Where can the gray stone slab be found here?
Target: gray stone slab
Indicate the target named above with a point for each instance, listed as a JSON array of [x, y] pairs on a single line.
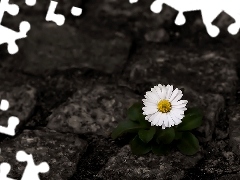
[[22, 101], [150, 166], [219, 160], [60, 151], [96, 108], [201, 70], [50, 47], [211, 106], [234, 128], [136, 18], [230, 176]]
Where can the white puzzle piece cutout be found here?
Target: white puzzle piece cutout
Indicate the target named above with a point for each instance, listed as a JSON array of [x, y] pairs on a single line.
[[4, 105], [133, 1], [30, 2], [31, 171], [210, 9], [7, 35], [4, 170], [76, 11], [12, 121], [51, 16]]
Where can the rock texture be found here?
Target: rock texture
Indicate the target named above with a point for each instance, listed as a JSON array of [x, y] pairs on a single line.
[[128, 166], [60, 151], [96, 108], [71, 85], [234, 125], [203, 71], [22, 101], [87, 47]]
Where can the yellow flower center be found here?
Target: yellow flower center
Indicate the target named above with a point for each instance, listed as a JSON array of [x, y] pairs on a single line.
[[164, 106]]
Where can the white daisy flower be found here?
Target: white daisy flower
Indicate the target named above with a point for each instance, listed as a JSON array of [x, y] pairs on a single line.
[[163, 106]]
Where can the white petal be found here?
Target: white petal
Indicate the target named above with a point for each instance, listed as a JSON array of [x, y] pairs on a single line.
[[179, 115], [175, 119], [163, 94], [153, 117], [148, 100], [148, 111], [174, 94], [160, 120], [169, 92], [160, 86], [155, 120], [158, 90], [170, 120], [155, 92], [154, 123], [152, 96], [147, 117], [179, 111], [149, 103], [163, 126], [181, 106], [149, 107], [180, 102], [178, 96], [165, 120]]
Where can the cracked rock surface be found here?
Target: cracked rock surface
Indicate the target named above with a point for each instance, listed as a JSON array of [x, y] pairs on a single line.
[[61, 153], [128, 166], [71, 85], [97, 109]]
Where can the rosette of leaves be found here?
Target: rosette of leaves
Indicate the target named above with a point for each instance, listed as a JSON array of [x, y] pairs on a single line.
[[160, 141]]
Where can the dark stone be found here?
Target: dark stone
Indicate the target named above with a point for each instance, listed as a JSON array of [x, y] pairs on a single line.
[[234, 128], [150, 166], [219, 160], [22, 101], [160, 35], [136, 18], [230, 176], [211, 106], [60, 151], [202, 71], [98, 152], [95, 108], [220, 134], [50, 47]]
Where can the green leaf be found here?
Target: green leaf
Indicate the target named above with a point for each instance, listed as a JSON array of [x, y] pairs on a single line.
[[124, 127], [166, 136], [147, 135], [178, 135], [144, 122], [193, 119], [134, 113], [161, 149], [138, 147], [188, 144]]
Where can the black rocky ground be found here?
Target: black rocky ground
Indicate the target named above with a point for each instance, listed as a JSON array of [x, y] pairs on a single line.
[[71, 85]]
